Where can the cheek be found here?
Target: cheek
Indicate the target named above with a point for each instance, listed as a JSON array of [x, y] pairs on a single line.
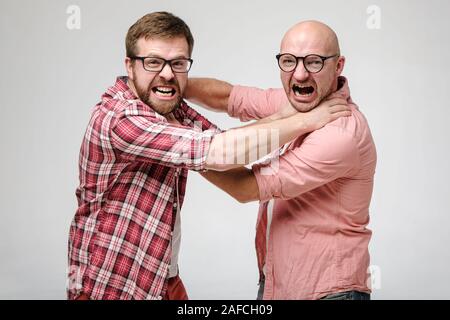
[[143, 79], [285, 80], [323, 83], [182, 82]]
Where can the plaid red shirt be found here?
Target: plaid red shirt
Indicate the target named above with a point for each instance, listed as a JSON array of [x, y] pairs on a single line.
[[130, 161]]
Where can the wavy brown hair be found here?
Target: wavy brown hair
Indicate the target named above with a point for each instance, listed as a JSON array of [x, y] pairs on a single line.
[[157, 25]]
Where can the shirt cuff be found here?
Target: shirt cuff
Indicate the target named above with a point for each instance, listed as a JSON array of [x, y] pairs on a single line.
[[232, 103], [200, 162], [267, 180]]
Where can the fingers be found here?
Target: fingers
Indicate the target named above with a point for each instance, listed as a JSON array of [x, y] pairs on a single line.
[[336, 101], [339, 114], [330, 98], [339, 108], [330, 104]]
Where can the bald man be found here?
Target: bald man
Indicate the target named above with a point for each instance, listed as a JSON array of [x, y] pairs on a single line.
[[314, 192]]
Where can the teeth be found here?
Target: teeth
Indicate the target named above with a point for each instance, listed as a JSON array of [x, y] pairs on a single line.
[[298, 94], [164, 91], [302, 91]]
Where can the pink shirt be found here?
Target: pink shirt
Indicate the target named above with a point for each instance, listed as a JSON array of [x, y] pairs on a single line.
[[321, 186]]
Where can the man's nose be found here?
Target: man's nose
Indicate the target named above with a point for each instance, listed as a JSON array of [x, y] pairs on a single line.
[[300, 73], [167, 72]]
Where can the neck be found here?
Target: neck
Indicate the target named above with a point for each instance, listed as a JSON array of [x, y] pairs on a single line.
[[171, 118], [130, 84]]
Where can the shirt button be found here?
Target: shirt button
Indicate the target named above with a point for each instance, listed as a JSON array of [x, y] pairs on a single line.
[[175, 205], [159, 298]]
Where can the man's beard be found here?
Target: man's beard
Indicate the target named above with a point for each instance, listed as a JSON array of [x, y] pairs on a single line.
[[162, 107]]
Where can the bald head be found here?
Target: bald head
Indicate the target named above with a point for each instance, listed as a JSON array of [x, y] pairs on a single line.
[[311, 37], [306, 85]]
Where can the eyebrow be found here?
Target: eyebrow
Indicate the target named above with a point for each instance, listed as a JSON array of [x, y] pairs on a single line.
[[157, 56]]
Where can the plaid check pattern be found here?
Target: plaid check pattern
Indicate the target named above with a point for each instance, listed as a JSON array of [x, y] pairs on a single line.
[[130, 161]]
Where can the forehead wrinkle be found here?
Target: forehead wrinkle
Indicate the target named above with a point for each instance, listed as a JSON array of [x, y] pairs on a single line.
[[177, 50]]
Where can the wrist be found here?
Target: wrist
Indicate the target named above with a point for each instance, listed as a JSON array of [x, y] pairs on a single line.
[[302, 122]]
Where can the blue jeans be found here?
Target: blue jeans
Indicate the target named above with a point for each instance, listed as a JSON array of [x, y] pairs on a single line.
[[260, 294], [348, 295]]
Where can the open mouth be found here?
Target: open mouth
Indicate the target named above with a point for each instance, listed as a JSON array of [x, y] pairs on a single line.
[[164, 91], [301, 91]]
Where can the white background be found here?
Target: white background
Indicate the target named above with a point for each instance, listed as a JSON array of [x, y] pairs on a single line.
[[52, 77]]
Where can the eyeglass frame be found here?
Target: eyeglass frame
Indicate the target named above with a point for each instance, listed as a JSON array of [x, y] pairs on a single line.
[[164, 64], [278, 56]]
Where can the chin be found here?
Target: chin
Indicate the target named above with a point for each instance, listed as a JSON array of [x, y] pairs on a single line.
[[304, 107], [164, 108]]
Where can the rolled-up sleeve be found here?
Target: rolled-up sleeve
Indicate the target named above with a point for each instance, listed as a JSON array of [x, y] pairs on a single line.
[[136, 137], [248, 103], [325, 155]]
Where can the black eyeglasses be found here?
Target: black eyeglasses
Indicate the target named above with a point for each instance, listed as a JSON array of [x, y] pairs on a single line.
[[155, 64], [313, 63]]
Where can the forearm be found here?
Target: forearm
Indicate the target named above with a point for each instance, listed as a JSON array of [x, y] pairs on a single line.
[[209, 93], [240, 183], [286, 111], [240, 146]]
